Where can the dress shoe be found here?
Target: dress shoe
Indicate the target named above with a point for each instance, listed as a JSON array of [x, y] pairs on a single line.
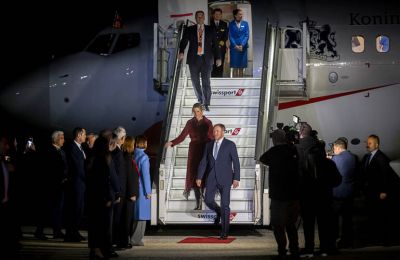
[[217, 219], [186, 194], [40, 236], [58, 235], [112, 254], [96, 254], [138, 244], [76, 238], [207, 108], [198, 204], [223, 237]]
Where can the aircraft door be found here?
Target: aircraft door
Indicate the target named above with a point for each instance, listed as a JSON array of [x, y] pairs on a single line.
[[227, 16], [292, 70]]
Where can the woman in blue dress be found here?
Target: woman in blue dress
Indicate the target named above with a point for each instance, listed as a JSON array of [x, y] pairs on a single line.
[[238, 38], [142, 211]]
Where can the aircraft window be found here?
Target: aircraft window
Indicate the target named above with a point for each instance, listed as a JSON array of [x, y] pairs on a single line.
[[357, 44], [382, 43], [102, 44], [127, 41]]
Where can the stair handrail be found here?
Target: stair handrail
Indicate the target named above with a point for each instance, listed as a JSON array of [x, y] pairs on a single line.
[[267, 104]]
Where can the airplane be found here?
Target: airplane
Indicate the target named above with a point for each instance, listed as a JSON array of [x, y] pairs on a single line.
[[105, 85], [350, 81]]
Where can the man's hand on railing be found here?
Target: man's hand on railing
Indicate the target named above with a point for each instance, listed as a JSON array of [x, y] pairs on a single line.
[[180, 57], [218, 62]]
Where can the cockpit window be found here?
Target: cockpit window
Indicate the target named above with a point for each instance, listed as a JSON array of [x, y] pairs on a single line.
[[127, 41], [357, 44], [102, 44], [382, 43]]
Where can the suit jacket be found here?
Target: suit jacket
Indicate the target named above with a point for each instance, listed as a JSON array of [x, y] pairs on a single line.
[[57, 168], [380, 177], [120, 167], [211, 49], [221, 33], [220, 169], [238, 36], [76, 164]]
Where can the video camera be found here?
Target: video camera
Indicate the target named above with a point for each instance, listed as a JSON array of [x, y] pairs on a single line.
[[292, 131]]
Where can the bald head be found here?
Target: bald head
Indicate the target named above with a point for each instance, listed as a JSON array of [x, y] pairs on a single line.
[[372, 143]]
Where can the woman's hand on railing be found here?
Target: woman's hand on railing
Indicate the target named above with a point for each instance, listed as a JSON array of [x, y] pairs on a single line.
[[181, 56], [168, 144]]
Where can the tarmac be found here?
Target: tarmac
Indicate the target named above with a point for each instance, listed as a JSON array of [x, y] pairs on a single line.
[[163, 243]]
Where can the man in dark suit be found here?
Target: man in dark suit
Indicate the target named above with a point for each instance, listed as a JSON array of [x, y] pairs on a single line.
[[202, 50], [382, 191], [221, 31], [218, 158], [8, 226], [76, 185]]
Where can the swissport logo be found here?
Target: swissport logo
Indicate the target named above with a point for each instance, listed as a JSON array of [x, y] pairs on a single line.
[[210, 216], [207, 216], [232, 131], [228, 92]]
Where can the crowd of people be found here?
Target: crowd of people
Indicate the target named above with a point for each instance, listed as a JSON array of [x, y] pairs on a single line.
[[305, 183], [105, 175]]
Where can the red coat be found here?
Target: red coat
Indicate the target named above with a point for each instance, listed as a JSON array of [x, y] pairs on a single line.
[[200, 132]]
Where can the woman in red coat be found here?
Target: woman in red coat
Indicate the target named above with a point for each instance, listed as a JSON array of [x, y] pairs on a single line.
[[200, 130]]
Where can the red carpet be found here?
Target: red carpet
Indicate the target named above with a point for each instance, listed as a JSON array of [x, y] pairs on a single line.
[[206, 240]]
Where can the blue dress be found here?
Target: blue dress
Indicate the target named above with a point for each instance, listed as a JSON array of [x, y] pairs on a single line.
[[238, 36], [142, 210]]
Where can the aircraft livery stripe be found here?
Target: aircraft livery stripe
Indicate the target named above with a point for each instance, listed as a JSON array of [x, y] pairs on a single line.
[[180, 15], [297, 103]]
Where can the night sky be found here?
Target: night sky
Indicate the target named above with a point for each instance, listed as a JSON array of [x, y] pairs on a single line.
[[33, 33]]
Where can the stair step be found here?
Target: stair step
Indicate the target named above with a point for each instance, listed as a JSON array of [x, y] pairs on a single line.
[[184, 205], [233, 82], [180, 172], [221, 111], [226, 101], [238, 120], [238, 193], [244, 182], [227, 91], [195, 216], [244, 161], [242, 151]]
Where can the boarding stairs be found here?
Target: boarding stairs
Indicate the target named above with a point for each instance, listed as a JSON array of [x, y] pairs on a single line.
[[247, 107], [234, 103]]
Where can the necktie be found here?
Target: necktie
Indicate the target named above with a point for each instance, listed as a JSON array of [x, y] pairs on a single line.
[[216, 148], [6, 180], [216, 23], [368, 159], [200, 41], [83, 152]]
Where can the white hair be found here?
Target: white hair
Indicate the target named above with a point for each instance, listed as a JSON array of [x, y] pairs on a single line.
[[120, 132], [55, 135]]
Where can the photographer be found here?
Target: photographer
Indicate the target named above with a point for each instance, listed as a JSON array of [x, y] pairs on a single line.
[[318, 175]]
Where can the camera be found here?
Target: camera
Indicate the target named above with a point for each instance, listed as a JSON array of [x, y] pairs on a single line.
[[30, 142]]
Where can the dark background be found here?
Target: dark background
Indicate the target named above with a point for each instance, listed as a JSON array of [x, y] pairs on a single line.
[[33, 34]]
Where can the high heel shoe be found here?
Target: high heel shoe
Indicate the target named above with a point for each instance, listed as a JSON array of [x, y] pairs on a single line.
[[186, 194], [96, 254], [199, 204]]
